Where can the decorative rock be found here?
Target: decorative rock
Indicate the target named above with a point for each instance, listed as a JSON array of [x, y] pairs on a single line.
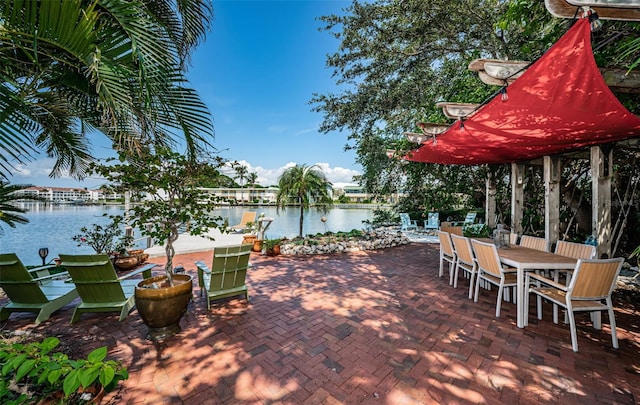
[[370, 241]]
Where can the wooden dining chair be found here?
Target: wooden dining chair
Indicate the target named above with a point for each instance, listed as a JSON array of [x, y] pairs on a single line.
[[464, 260], [456, 230], [447, 253], [573, 250], [589, 290], [534, 242], [490, 270]]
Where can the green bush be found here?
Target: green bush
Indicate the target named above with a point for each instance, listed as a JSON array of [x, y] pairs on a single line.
[[42, 372]]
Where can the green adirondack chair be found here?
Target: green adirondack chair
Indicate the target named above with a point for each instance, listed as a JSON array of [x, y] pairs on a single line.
[[227, 278], [27, 294], [100, 288]]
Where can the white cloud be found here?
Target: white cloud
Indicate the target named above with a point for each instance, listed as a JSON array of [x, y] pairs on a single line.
[[339, 176], [37, 172]]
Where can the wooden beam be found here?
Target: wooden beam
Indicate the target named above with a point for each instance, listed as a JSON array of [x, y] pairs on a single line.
[[506, 69], [495, 72], [605, 3], [517, 196], [601, 173], [551, 172], [432, 129], [457, 110], [490, 205], [564, 9]]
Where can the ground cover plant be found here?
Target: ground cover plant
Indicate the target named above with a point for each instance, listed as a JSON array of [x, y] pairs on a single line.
[[32, 370]]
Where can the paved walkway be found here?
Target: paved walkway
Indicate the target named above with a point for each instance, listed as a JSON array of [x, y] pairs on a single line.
[[361, 328]]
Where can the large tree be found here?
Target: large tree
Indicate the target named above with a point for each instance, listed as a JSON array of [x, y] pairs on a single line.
[[73, 68], [304, 186], [396, 60]]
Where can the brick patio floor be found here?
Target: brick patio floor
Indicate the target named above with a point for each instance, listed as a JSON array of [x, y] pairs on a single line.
[[361, 328]]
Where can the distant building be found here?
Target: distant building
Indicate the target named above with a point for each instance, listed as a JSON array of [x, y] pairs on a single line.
[[261, 195], [357, 194], [67, 195]]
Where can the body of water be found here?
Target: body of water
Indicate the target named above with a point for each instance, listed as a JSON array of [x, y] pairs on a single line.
[[53, 226]]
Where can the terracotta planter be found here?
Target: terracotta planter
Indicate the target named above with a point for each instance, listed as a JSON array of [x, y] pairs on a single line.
[[162, 308], [126, 262], [274, 251], [257, 245], [248, 239]]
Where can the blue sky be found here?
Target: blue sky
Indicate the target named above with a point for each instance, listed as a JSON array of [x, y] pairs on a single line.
[[257, 70]]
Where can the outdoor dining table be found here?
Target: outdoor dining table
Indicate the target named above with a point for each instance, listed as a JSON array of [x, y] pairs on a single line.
[[526, 259]]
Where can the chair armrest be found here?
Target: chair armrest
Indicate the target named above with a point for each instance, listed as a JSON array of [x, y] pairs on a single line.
[[145, 270], [62, 274], [40, 268], [202, 268], [546, 281]]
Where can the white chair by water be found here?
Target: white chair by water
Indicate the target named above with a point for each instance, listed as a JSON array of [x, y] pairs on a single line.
[[406, 223]]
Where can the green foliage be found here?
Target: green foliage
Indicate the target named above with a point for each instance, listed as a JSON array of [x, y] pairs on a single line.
[[49, 372], [635, 253], [382, 217], [9, 211], [476, 231], [166, 182], [76, 68], [271, 243], [104, 239]]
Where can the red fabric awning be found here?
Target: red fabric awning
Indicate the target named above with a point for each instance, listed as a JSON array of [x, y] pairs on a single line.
[[560, 104]]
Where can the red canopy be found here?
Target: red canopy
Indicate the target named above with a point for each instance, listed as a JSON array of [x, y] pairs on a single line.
[[560, 104]]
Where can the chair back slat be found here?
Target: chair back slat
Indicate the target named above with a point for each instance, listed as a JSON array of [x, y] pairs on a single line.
[[533, 242], [95, 278], [445, 243], [455, 230], [463, 248], [594, 279], [229, 267], [575, 250], [487, 257], [17, 283]]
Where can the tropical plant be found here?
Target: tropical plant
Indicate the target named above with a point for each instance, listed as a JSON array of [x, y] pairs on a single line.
[[48, 372], [304, 186], [271, 243], [241, 175], [170, 199], [71, 67], [9, 211], [103, 238]]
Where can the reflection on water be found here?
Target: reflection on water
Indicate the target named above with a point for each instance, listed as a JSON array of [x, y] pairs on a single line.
[[53, 226]]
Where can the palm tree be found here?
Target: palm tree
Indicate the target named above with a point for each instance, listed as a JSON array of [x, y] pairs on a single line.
[[73, 68], [252, 178], [241, 176], [306, 186], [9, 211]]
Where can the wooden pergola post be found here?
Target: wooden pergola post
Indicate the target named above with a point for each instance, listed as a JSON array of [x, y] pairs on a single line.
[[601, 171], [552, 171], [490, 205], [517, 197]]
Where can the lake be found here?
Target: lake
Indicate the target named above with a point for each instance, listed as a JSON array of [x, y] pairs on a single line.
[[53, 226]]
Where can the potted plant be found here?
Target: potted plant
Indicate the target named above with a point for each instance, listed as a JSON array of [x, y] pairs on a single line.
[[33, 373], [110, 239], [166, 185], [103, 239], [272, 246]]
